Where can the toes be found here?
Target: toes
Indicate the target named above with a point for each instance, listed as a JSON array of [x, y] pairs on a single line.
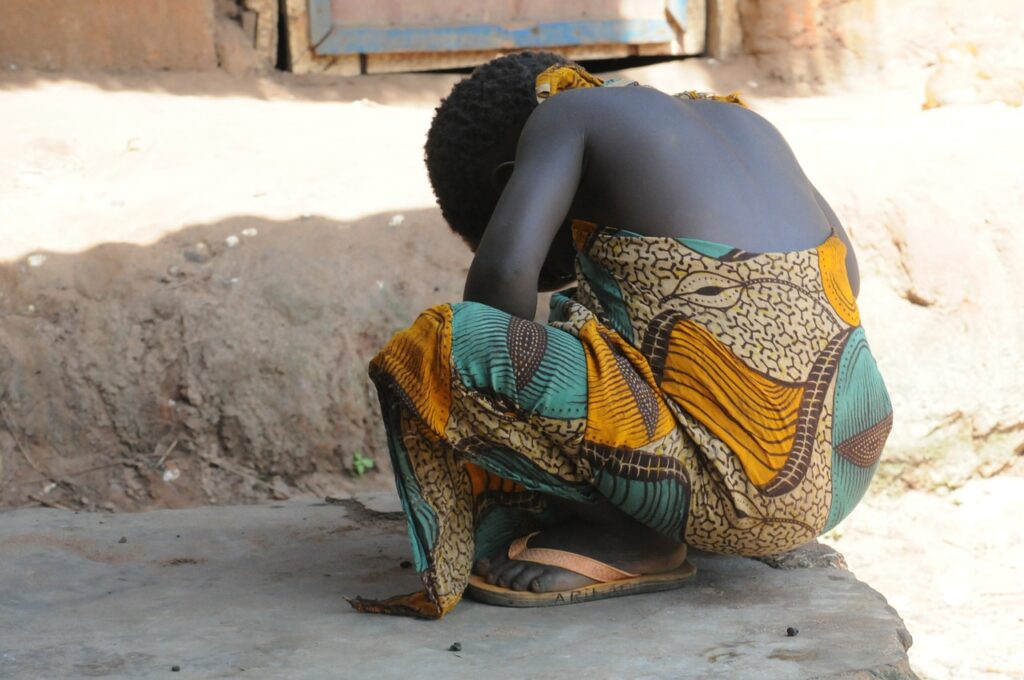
[[509, 573], [526, 577], [497, 569], [486, 565], [541, 583], [552, 580]]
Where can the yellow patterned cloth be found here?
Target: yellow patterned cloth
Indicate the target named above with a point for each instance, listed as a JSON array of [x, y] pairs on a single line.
[[726, 399], [562, 77], [731, 98]]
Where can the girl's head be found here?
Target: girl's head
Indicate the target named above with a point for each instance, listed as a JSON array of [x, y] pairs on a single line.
[[476, 129]]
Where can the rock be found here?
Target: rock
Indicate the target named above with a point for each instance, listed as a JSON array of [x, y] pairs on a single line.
[[199, 253], [963, 77], [215, 586]]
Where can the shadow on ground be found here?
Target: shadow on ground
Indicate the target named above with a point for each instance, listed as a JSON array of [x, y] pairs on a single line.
[[393, 89], [427, 89]]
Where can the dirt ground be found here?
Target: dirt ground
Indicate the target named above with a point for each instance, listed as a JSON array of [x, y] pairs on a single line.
[[263, 212], [952, 564]]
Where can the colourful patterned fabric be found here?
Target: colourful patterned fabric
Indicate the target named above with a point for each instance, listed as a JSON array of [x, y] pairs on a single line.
[[731, 98], [726, 399], [562, 77]]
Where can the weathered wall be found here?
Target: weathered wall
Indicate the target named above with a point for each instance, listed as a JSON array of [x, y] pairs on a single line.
[[135, 35], [820, 42], [795, 40], [809, 40], [247, 35], [108, 35]]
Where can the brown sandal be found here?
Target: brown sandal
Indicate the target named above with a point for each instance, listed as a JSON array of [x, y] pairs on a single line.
[[611, 581]]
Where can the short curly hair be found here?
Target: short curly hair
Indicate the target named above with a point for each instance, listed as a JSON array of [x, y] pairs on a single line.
[[476, 127]]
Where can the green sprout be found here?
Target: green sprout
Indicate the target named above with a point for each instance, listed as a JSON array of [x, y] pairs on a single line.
[[360, 464]]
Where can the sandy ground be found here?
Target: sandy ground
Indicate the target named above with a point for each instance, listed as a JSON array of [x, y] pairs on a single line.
[[953, 566], [132, 160], [81, 164]]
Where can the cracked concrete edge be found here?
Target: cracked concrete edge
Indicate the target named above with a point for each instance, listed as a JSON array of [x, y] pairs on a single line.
[[893, 671], [813, 555]]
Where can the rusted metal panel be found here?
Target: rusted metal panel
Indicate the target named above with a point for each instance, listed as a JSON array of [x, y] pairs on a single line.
[[344, 27], [404, 62], [469, 12]]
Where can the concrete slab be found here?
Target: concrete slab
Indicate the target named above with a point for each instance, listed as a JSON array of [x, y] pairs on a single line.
[[257, 592]]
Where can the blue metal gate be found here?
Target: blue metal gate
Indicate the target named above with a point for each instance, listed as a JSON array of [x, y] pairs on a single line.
[[350, 27]]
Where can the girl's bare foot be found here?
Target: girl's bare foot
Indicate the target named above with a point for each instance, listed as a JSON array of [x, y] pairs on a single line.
[[641, 552]]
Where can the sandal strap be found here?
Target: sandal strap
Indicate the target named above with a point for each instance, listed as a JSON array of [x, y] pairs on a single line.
[[579, 564]]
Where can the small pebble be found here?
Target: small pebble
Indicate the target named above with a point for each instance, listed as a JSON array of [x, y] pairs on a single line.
[[36, 260], [396, 220], [175, 669], [792, 632], [250, 231], [198, 254], [405, 564], [123, 539], [231, 241], [456, 647]]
